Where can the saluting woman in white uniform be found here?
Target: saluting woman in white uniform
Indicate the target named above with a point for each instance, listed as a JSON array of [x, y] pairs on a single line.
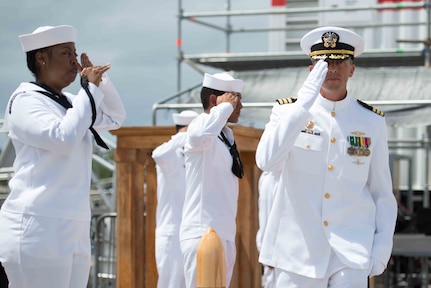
[[45, 221]]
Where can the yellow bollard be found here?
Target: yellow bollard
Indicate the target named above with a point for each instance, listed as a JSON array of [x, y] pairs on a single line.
[[210, 261]]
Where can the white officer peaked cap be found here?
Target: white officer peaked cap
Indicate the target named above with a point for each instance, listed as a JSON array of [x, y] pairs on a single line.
[[332, 42], [222, 82], [185, 117], [46, 36]]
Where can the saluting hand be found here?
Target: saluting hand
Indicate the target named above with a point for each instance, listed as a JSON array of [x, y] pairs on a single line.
[[231, 97], [311, 87], [93, 73]]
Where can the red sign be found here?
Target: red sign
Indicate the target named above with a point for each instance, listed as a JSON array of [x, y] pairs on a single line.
[[398, 1], [278, 2]]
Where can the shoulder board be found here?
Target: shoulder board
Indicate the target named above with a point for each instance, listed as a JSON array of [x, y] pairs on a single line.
[[282, 101], [371, 108]]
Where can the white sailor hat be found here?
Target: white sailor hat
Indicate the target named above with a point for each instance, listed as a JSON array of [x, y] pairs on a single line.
[[46, 36], [332, 42], [222, 82], [184, 118]]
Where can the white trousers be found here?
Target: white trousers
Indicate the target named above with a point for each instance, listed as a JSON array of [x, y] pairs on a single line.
[[43, 252], [189, 249], [169, 261], [268, 277], [337, 276]]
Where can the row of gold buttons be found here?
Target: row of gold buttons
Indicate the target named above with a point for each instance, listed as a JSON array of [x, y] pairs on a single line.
[[330, 168]]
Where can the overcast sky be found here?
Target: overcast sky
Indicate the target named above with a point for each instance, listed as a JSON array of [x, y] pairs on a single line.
[[138, 38]]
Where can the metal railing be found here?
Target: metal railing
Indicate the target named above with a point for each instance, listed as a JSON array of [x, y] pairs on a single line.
[[103, 228], [163, 105]]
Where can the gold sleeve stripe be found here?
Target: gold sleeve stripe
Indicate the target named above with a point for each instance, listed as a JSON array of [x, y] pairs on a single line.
[[282, 101]]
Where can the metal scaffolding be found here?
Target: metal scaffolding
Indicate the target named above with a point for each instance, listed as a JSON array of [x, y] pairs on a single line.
[[229, 30], [242, 61]]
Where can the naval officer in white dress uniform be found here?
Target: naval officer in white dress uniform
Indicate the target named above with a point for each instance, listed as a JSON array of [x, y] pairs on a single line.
[[334, 212]]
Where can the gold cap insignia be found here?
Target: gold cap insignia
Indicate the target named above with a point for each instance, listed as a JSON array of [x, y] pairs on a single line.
[[330, 39]]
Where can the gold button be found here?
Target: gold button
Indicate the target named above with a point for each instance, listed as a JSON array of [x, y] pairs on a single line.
[[333, 114], [333, 140], [308, 146], [327, 195], [325, 223], [330, 167]]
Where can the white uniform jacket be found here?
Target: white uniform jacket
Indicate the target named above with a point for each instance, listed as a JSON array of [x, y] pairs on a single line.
[[53, 148], [326, 198], [211, 187], [171, 184]]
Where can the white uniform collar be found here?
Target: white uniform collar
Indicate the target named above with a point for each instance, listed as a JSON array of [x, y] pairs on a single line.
[[333, 105]]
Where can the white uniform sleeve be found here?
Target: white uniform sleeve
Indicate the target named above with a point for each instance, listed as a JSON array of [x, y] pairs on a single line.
[[207, 127], [110, 112], [380, 185], [165, 155], [267, 186], [286, 122], [36, 121]]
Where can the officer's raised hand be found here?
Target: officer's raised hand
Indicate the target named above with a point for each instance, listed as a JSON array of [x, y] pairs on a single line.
[[311, 87]]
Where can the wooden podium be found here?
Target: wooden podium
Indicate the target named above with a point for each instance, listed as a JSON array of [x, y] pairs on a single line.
[[136, 200]]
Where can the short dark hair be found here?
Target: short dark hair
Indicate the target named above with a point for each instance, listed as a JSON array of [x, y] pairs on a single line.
[[31, 59], [178, 127], [206, 93]]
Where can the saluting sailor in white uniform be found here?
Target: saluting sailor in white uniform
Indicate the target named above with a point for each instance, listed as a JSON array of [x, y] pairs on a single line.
[[45, 220], [211, 185], [171, 186], [334, 214]]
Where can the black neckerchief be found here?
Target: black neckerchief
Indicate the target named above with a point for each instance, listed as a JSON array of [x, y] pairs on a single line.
[[237, 167], [62, 100]]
